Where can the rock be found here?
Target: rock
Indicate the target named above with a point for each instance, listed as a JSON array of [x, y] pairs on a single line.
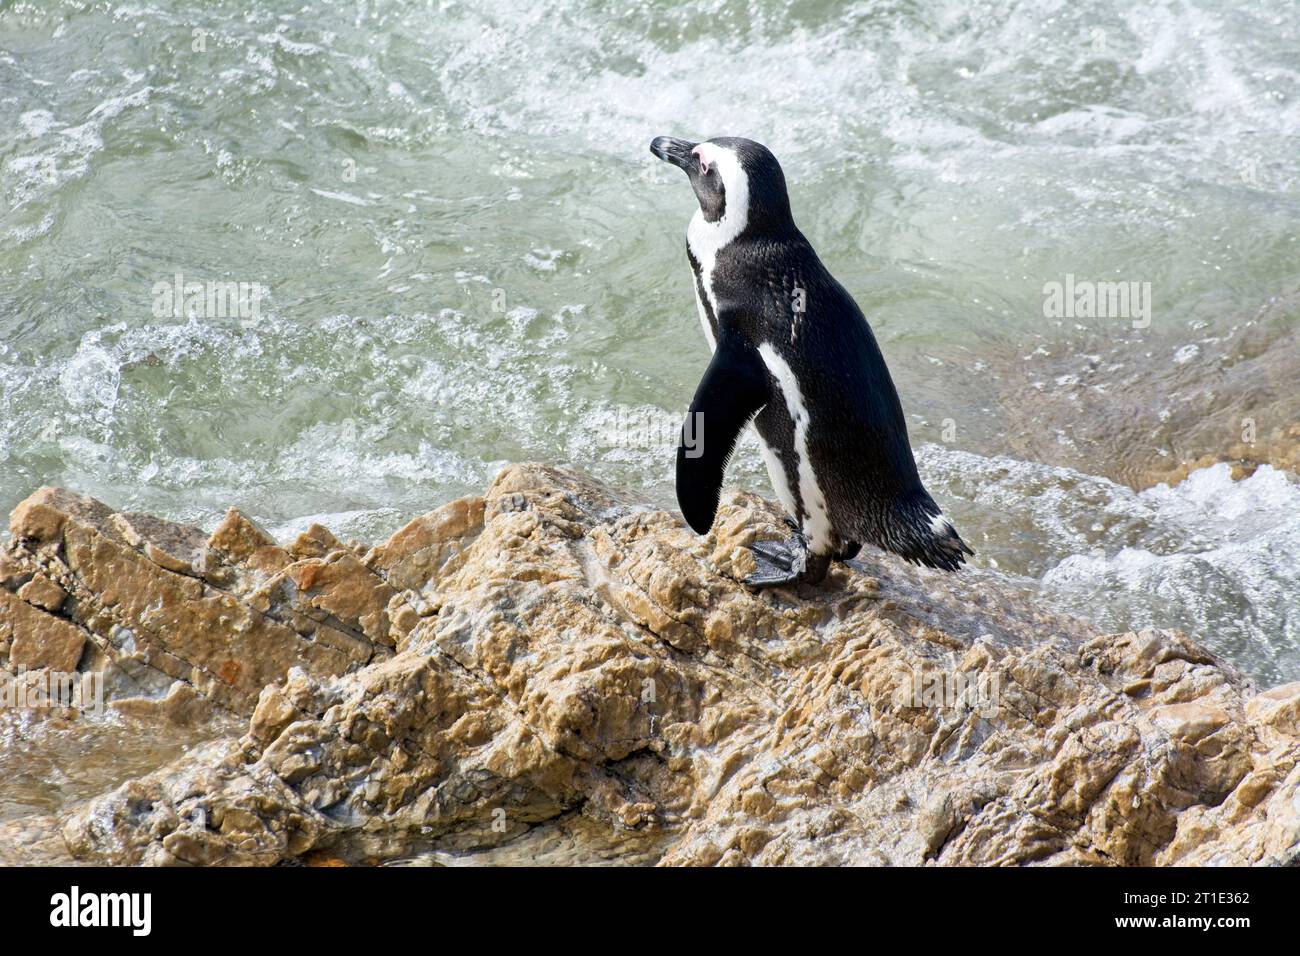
[[37, 638], [240, 544], [316, 542], [182, 705], [1277, 712], [1141, 424], [43, 593], [419, 552], [206, 610], [169, 545], [552, 669]]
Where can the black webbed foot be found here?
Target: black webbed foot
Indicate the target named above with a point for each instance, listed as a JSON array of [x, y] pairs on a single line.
[[777, 563], [785, 563]]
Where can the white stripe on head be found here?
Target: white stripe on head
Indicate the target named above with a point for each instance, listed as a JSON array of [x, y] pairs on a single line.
[[735, 187], [706, 239]]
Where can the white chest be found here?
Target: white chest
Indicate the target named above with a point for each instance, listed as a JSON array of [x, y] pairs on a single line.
[[702, 239], [705, 240]]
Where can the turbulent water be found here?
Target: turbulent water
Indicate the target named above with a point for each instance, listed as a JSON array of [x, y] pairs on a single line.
[[463, 254]]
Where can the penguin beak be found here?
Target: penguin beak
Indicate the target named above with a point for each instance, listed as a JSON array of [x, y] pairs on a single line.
[[675, 151]]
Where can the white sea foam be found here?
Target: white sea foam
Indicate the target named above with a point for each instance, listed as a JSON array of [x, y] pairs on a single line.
[[1213, 556]]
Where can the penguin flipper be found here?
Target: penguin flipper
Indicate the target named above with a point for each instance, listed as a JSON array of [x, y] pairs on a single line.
[[732, 392]]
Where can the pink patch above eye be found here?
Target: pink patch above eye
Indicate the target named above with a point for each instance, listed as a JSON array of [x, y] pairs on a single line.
[[704, 163]]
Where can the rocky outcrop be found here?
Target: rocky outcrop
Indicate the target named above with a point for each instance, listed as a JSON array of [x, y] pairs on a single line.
[[553, 665], [148, 601]]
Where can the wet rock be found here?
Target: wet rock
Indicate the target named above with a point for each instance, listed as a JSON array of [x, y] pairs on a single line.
[[1226, 399], [181, 705], [549, 666]]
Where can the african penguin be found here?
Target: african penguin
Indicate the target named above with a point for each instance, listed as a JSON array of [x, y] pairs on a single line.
[[792, 353]]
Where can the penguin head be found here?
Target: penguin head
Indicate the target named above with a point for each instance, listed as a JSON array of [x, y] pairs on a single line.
[[737, 181]]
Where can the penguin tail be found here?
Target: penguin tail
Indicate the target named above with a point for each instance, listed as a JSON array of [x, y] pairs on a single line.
[[922, 534]]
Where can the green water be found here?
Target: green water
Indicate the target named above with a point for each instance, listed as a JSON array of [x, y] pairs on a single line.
[[469, 257]]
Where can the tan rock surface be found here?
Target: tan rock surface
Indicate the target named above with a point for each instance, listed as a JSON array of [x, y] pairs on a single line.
[[35, 638], [154, 596], [549, 669]]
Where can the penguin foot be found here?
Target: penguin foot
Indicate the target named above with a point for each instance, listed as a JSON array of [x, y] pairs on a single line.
[[785, 563], [777, 563]]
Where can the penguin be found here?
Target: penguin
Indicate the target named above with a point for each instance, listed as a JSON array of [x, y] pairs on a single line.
[[794, 355]]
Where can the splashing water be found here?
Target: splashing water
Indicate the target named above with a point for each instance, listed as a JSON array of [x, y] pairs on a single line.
[[1213, 556]]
